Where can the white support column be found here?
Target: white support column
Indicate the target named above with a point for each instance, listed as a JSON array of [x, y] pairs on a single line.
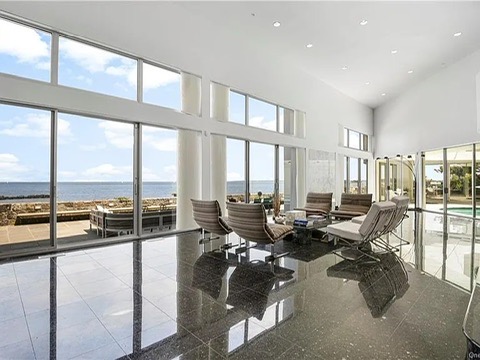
[[189, 155], [301, 158], [218, 149]]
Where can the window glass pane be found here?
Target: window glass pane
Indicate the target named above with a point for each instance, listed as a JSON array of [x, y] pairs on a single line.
[[262, 162], [235, 170], [95, 172], [381, 179], [86, 67], [237, 108], [24, 51], [159, 171], [363, 176], [353, 172], [408, 179], [354, 140], [281, 120], [24, 177], [459, 173], [345, 175], [262, 114], [287, 119], [345, 137], [161, 87], [434, 180]]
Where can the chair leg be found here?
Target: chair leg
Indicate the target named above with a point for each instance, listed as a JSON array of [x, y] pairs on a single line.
[[205, 240], [273, 255], [243, 247]]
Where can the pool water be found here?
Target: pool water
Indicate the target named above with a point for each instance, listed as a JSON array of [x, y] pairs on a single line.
[[467, 211]]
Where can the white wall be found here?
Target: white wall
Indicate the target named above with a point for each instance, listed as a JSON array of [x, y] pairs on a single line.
[[187, 42], [439, 112]]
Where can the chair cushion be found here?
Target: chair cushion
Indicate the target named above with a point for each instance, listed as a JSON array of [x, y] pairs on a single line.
[[359, 219], [278, 231], [346, 230], [346, 214], [309, 209]]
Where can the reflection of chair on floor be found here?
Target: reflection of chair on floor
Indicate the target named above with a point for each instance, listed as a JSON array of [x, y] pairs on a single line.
[[249, 286], [208, 215], [317, 203], [358, 236], [208, 272], [249, 222], [381, 283], [352, 205]]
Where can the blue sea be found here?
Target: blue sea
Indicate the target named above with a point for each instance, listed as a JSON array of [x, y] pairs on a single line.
[[77, 191]]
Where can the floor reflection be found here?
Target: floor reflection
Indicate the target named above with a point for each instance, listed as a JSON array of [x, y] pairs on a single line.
[[175, 299]]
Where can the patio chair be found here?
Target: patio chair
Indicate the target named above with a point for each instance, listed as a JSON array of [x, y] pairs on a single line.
[[208, 215], [352, 205], [317, 204], [249, 222], [358, 236]]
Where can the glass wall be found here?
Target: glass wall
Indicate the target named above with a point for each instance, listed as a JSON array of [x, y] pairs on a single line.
[[381, 172], [395, 177], [94, 178], [24, 51], [262, 114], [159, 174], [262, 172], [355, 175], [459, 175], [237, 107], [161, 87], [434, 180], [236, 185], [25, 141]]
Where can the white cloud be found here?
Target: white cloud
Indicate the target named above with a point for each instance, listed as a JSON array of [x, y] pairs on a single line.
[[234, 176], [22, 42], [43, 65], [36, 126], [259, 121], [169, 144], [106, 171], [85, 79], [155, 77], [10, 167], [118, 134], [91, 58]]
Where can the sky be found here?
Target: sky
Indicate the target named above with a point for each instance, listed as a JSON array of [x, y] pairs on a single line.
[[98, 150]]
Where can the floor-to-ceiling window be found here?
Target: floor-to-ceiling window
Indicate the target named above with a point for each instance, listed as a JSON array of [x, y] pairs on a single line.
[[433, 185], [459, 176], [94, 178], [355, 176], [25, 149], [236, 180], [262, 171], [159, 179]]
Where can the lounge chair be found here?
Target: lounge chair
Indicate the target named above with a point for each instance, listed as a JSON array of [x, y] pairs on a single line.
[[358, 236], [249, 222], [352, 205], [317, 204], [208, 215]]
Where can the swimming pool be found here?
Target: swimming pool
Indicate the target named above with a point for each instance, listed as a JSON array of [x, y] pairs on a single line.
[[467, 211]]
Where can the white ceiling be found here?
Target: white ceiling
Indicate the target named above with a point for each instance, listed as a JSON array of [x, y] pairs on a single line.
[[422, 32]]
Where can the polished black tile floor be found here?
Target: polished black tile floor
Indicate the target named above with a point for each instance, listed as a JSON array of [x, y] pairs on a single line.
[[175, 299]]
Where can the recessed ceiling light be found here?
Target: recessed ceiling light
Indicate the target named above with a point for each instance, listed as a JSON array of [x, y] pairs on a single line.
[[383, 94], [457, 34], [367, 83], [309, 45], [410, 71], [394, 51], [344, 68], [364, 22], [276, 24]]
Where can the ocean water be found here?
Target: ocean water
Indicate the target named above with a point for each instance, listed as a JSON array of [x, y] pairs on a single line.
[[76, 191]]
